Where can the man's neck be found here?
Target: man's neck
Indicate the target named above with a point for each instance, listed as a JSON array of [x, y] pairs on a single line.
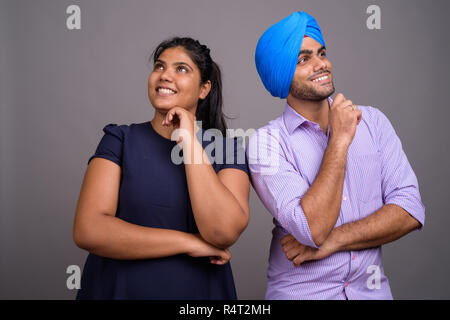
[[314, 111]]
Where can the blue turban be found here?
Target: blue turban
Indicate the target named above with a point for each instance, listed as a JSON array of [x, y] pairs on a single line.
[[277, 51]]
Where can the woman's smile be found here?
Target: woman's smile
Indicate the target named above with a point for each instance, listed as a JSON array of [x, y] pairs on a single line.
[[165, 91]]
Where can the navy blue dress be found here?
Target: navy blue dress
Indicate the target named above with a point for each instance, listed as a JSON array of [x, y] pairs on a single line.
[[154, 193]]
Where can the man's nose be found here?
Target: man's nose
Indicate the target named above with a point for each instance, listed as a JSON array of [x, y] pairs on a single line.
[[319, 64]]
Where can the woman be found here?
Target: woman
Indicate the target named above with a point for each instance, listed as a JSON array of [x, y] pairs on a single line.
[[156, 229]]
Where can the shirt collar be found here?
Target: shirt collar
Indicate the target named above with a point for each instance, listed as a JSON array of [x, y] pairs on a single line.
[[293, 119]]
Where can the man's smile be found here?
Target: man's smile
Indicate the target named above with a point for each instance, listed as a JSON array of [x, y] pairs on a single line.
[[322, 78]]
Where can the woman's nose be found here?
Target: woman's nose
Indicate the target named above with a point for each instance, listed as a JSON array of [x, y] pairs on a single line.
[[166, 76]]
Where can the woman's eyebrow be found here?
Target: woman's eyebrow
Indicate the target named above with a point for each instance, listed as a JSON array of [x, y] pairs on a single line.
[[178, 63], [182, 63]]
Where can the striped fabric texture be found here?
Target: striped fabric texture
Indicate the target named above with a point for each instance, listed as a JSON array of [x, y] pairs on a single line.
[[284, 159]]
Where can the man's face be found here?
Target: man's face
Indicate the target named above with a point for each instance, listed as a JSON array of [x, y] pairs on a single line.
[[313, 76]]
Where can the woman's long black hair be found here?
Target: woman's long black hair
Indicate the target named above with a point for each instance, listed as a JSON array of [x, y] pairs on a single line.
[[209, 110]]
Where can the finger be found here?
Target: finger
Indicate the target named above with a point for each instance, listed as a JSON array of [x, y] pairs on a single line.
[[287, 239], [289, 246], [354, 107], [216, 261], [222, 260], [167, 119], [359, 116], [346, 104], [177, 112], [338, 99], [292, 254], [286, 249], [298, 261], [224, 254], [295, 250]]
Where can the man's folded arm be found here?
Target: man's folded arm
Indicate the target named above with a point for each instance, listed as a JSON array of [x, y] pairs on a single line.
[[308, 213], [402, 211]]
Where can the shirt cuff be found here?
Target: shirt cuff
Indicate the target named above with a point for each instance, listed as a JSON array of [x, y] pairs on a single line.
[[298, 226], [416, 210]]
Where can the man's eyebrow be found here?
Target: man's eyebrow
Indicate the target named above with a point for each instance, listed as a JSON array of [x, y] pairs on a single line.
[[310, 51], [305, 52]]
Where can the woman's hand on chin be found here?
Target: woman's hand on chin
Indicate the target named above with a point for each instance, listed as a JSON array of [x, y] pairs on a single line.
[[184, 123]]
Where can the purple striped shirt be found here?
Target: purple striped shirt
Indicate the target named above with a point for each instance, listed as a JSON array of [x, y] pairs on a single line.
[[284, 159]]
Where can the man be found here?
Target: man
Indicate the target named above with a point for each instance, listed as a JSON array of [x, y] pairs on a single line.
[[333, 175]]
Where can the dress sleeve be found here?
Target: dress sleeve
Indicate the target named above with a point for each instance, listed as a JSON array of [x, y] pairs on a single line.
[[111, 145], [234, 155]]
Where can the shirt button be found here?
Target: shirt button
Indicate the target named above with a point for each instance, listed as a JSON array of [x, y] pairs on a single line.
[[353, 257], [344, 198], [346, 284]]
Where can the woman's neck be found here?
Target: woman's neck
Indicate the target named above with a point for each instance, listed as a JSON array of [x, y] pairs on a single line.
[[165, 131]]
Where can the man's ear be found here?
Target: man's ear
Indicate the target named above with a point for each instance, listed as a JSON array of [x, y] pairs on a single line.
[[204, 89]]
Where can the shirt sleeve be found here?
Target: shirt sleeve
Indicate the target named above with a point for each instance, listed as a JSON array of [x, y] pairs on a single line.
[[234, 155], [111, 144], [399, 183], [278, 184]]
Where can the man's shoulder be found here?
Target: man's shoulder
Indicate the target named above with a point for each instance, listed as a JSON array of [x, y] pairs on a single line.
[[374, 116], [368, 109], [271, 128], [370, 114]]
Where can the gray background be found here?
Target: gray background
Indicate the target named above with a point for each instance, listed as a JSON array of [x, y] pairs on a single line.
[[58, 88]]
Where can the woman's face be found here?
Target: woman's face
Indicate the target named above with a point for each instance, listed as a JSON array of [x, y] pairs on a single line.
[[175, 81]]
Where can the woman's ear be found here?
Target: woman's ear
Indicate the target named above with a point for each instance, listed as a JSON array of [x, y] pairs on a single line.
[[204, 89]]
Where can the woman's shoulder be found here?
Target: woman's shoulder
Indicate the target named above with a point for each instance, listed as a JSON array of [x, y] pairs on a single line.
[[111, 146], [122, 130], [226, 151]]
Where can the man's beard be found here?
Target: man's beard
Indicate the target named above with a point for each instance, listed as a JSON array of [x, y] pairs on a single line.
[[308, 92]]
